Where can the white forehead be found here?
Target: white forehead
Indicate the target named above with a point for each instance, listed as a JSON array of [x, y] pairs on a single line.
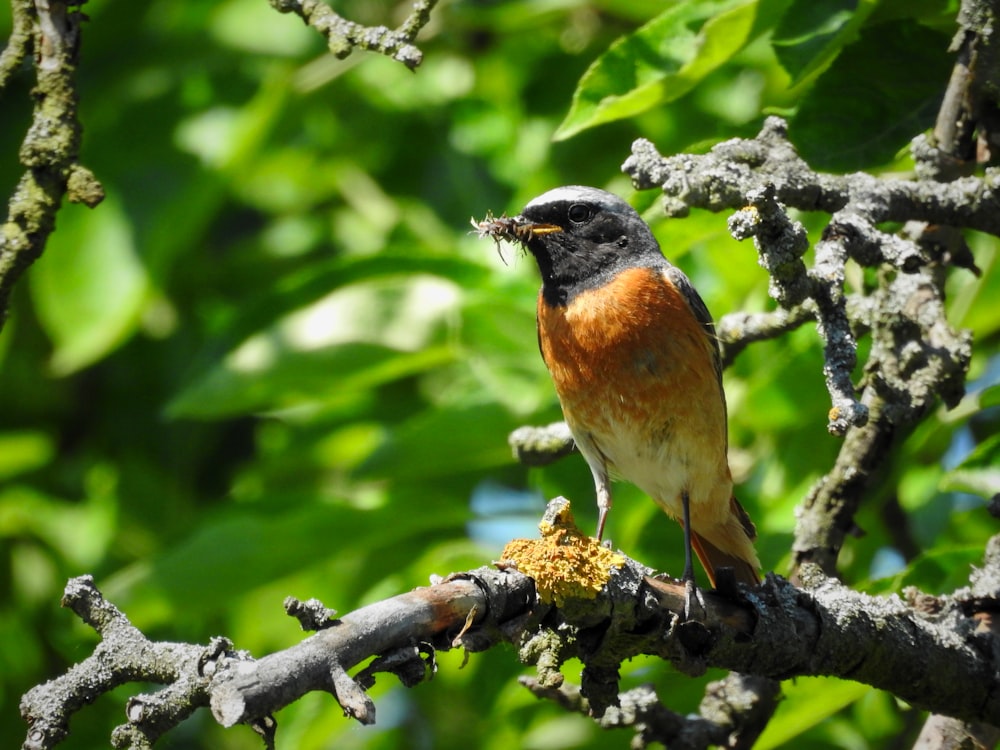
[[580, 194]]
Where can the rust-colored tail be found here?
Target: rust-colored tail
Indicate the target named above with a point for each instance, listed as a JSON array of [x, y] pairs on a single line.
[[729, 546]]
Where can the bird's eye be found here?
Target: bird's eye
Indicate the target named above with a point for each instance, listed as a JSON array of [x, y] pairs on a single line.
[[579, 213]]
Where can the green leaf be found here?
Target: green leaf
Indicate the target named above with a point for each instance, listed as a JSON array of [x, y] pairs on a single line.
[[979, 473], [936, 571], [80, 530], [239, 552], [808, 701], [990, 397], [90, 286], [282, 380], [444, 441], [660, 62], [248, 26], [813, 32], [359, 336], [24, 451], [939, 14], [319, 280], [879, 93]]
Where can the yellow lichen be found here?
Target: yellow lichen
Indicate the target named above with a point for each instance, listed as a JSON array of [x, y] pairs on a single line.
[[564, 563]]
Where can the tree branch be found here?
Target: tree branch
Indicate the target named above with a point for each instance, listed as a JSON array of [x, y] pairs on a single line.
[[721, 179], [915, 358], [968, 112], [936, 653], [344, 36], [538, 446], [50, 30], [732, 714], [780, 243], [926, 650], [241, 690], [435, 617], [762, 177], [19, 43], [737, 330], [124, 655]]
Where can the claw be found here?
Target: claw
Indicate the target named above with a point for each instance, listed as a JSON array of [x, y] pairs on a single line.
[[694, 603]]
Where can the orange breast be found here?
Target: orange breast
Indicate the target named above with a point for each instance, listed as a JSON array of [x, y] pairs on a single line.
[[634, 370]]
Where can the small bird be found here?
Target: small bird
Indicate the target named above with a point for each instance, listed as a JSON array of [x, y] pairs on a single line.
[[633, 355]]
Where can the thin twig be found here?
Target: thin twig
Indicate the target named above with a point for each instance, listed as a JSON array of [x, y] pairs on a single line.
[[344, 36]]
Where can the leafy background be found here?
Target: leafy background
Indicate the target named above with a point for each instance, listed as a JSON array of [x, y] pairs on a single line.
[[274, 361]]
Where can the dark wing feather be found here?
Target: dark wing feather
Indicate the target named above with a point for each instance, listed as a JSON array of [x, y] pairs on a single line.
[[681, 283]]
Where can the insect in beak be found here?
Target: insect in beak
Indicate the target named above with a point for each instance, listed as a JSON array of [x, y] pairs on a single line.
[[511, 228]]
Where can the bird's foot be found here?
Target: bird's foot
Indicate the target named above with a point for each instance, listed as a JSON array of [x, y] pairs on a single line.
[[694, 604], [693, 635]]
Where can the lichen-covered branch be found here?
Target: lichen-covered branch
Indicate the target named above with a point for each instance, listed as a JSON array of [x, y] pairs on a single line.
[[344, 36], [737, 330], [933, 652], [965, 133], [467, 610], [721, 180], [780, 244], [50, 31], [916, 359], [538, 446], [19, 43], [761, 178], [123, 656], [732, 714], [920, 649]]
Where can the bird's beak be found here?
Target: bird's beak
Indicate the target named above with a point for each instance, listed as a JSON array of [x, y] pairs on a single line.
[[525, 229]]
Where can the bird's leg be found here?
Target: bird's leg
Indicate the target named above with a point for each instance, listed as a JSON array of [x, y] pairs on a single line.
[[602, 484], [694, 608], [688, 576]]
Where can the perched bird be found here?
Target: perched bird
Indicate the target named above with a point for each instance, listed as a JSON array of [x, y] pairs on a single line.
[[632, 352]]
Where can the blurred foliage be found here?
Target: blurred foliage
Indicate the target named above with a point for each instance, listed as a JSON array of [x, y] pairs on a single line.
[[275, 362]]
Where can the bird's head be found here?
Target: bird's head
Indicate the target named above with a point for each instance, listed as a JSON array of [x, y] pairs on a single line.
[[579, 235]]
